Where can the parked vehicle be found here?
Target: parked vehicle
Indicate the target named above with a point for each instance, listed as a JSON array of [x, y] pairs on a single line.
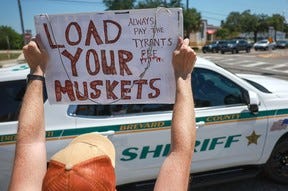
[[242, 122], [282, 44], [213, 47], [234, 46], [264, 45]]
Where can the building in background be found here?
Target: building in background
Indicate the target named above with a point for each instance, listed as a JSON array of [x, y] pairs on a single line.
[[206, 34]]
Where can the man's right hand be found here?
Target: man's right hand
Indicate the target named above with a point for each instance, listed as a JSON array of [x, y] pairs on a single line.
[[183, 59], [36, 56]]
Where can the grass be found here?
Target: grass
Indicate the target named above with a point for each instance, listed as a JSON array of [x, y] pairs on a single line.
[[8, 56]]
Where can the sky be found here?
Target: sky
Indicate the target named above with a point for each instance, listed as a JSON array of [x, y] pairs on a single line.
[[212, 10]]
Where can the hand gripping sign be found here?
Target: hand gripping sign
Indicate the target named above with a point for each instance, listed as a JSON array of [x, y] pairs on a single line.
[[115, 57]]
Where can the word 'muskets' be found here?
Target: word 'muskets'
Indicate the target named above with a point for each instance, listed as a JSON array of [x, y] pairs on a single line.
[[96, 63]]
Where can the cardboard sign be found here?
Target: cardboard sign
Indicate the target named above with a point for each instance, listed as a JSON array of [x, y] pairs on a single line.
[[115, 57]]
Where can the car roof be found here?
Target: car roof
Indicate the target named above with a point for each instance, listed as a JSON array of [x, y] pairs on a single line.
[[20, 71], [15, 72]]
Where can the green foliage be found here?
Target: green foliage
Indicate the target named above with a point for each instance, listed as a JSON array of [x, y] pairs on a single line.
[[277, 21], [8, 56], [150, 4], [119, 4], [222, 33], [192, 20], [157, 3], [233, 22], [247, 22], [10, 39]]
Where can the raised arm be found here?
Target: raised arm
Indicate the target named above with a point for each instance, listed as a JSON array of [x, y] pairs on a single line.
[[30, 155], [175, 171]]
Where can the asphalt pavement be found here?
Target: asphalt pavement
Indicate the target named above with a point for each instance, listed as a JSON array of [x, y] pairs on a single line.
[[272, 63]]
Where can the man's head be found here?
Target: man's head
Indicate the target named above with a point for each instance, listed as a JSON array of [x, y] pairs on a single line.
[[87, 163]]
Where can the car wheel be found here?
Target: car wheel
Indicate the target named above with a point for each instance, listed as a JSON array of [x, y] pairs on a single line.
[[233, 51], [204, 51], [213, 50], [222, 52], [277, 166], [248, 50]]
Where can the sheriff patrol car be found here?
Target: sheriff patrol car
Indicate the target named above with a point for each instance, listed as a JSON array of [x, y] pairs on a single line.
[[242, 121]]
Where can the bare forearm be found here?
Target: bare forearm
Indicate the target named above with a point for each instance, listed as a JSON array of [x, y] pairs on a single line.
[[183, 125], [30, 155], [31, 119]]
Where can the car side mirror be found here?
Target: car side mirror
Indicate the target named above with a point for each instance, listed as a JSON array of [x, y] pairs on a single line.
[[254, 102]]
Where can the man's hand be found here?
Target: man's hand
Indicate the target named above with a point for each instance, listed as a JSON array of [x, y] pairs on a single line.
[[183, 59], [36, 56], [174, 173]]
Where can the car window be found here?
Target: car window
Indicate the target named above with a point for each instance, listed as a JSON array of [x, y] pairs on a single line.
[[213, 89], [117, 110], [209, 89], [11, 95]]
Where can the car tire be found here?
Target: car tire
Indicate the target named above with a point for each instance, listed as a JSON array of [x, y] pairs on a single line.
[[248, 50], [222, 52], [204, 51], [276, 167]]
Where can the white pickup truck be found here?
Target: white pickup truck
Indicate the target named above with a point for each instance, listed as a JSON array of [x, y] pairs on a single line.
[[242, 121]]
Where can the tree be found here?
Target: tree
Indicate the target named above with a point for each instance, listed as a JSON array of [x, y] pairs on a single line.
[[277, 21], [222, 33], [150, 4], [158, 3], [233, 23], [119, 4], [192, 20], [10, 39]]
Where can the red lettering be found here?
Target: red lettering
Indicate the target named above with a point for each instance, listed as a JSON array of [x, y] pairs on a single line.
[[125, 91], [124, 57], [92, 31], [81, 95], [140, 86], [109, 89], [67, 89], [51, 44], [108, 70], [108, 41], [93, 86], [96, 62], [67, 32], [73, 59], [157, 91]]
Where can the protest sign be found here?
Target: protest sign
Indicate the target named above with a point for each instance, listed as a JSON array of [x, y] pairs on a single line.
[[114, 57]]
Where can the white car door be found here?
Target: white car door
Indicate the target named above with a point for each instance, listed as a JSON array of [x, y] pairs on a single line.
[[139, 132], [228, 133]]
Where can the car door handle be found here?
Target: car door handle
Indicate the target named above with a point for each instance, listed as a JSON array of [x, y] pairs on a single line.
[[200, 124]]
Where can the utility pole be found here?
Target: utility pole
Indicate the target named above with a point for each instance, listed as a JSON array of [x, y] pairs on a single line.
[[187, 4], [21, 20]]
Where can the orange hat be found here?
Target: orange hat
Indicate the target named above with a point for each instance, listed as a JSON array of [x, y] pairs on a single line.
[[87, 163]]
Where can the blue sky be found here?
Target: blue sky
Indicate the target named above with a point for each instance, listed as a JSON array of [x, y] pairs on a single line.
[[213, 11]]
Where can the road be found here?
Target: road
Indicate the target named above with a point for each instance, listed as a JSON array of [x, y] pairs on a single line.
[[273, 63], [258, 183]]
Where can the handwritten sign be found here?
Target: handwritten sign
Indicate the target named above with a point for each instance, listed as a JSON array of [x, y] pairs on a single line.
[[115, 57]]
